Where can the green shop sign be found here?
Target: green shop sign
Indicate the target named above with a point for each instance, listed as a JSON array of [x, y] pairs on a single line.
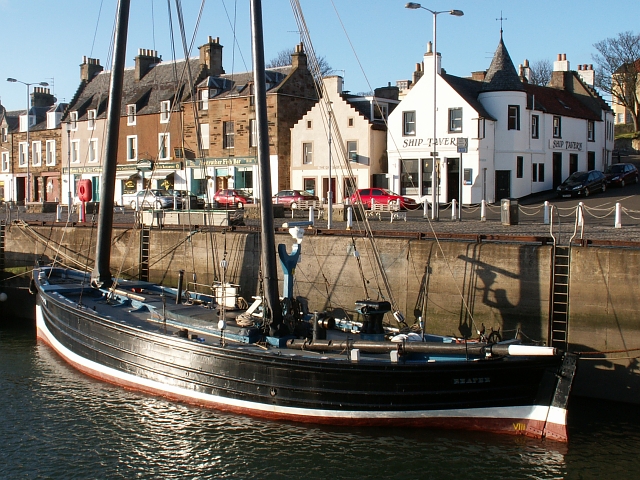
[[223, 162]]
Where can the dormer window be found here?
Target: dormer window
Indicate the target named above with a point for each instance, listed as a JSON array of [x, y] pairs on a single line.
[[4, 134], [380, 111], [165, 111], [23, 122], [131, 114], [91, 119], [203, 101], [73, 118]]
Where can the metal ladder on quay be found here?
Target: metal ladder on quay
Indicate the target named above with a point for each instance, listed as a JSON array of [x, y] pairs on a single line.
[[560, 279], [145, 246]]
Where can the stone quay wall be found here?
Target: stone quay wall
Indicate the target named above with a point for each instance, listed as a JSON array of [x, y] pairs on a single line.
[[455, 286]]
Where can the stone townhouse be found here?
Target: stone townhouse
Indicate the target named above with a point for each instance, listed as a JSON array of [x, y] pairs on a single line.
[[30, 154], [358, 142], [225, 129], [521, 139]]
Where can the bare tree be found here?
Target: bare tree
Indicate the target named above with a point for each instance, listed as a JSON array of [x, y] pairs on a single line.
[[618, 75], [283, 58], [540, 72]]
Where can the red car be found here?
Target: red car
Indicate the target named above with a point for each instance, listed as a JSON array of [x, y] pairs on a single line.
[[289, 198], [621, 174], [230, 197], [383, 196]]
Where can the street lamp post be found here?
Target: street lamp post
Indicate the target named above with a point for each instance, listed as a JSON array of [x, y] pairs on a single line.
[[44, 84], [67, 126], [435, 175]]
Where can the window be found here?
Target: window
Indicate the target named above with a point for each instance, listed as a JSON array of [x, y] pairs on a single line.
[[131, 114], [50, 153], [132, 148], [203, 102], [591, 131], [5, 161], [204, 136], [481, 128], [409, 177], [541, 172], [591, 160], [309, 124], [380, 111], [535, 126], [73, 118], [23, 122], [75, 151], [163, 146], [36, 153], [409, 123], [23, 154], [93, 150], [557, 127], [519, 167], [253, 133], [4, 134], [252, 96], [513, 118], [534, 172], [307, 153], [350, 122], [309, 185], [91, 119], [352, 150], [165, 111], [455, 120], [229, 135]]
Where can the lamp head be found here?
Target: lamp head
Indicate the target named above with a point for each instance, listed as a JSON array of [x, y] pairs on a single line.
[[11, 80], [412, 5], [45, 84], [456, 13]]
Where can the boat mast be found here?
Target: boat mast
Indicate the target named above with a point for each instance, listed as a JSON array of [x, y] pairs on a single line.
[[270, 271], [101, 275]]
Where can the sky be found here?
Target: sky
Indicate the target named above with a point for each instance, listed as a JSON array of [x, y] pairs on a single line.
[[371, 43]]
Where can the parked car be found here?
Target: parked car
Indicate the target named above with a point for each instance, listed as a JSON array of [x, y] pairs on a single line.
[[290, 198], [384, 196], [621, 174], [231, 197], [188, 198], [582, 183], [155, 198]]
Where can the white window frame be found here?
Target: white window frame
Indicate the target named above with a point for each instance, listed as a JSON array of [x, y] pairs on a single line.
[[36, 153], [131, 114], [204, 99], [4, 161], [307, 153], [73, 118], [352, 147], [92, 152], [482, 127], [23, 154], [591, 131], [50, 153], [409, 123], [91, 119], [75, 151], [253, 133], [204, 136], [535, 126], [4, 133], [557, 126], [455, 120], [229, 134], [132, 147], [165, 111], [166, 138]]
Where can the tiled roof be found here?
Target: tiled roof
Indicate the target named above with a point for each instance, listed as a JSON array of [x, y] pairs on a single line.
[[559, 102], [502, 75]]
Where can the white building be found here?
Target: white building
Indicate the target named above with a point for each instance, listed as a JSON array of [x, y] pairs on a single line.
[[522, 138], [358, 142]]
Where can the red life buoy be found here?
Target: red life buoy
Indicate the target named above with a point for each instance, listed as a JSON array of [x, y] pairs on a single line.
[[85, 192]]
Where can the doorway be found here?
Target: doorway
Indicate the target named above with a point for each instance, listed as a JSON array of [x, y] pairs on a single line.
[[503, 184], [557, 169], [21, 189], [325, 189], [453, 179]]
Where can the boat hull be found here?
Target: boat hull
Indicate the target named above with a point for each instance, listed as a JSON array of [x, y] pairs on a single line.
[[516, 396]]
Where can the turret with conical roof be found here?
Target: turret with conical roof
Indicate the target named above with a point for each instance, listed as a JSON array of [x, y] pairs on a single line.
[[502, 75]]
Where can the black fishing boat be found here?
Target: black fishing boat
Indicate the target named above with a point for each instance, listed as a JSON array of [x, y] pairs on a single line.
[[147, 337]]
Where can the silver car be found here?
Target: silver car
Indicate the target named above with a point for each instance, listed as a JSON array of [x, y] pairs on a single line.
[[155, 198]]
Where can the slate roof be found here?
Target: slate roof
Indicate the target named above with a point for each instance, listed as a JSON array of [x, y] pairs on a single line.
[[469, 90], [558, 102], [157, 85], [235, 84], [502, 75], [12, 117]]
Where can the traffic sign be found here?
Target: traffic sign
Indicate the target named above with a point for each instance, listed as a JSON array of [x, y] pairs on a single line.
[[463, 144]]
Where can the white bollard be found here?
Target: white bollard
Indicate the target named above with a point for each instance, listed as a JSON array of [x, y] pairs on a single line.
[[454, 209], [483, 211], [546, 212], [580, 217], [311, 215], [618, 221], [58, 213], [425, 209], [349, 218]]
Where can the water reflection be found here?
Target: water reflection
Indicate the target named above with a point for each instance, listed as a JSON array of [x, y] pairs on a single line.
[[66, 425]]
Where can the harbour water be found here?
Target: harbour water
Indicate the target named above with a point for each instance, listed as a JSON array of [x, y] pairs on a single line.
[[58, 423]]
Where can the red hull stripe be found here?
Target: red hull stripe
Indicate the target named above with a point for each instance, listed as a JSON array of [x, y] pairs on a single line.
[[533, 420]]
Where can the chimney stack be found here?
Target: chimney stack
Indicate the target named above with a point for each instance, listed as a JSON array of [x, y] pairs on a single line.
[[299, 58], [144, 61], [41, 97], [211, 56], [561, 64], [587, 74], [89, 68]]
